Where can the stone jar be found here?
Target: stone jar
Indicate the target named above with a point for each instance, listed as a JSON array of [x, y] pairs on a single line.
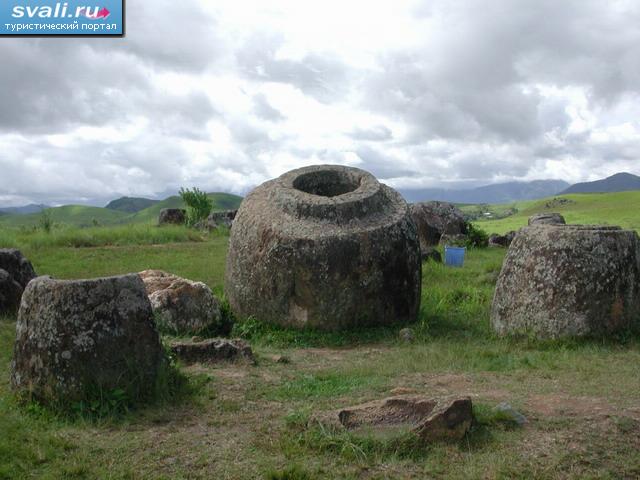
[[74, 337], [326, 247], [568, 280]]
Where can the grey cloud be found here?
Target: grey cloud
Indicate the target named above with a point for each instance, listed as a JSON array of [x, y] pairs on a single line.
[[469, 99], [324, 77], [264, 110], [381, 165], [378, 133]]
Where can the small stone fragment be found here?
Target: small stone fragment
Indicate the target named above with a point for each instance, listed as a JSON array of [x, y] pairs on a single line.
[[431, 419], [212, 351], [407, 335], [508, 412]]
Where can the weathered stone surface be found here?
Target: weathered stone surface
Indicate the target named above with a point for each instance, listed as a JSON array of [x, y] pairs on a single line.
[[10, 293], [326, 247], [212, 351], [568, 280], [505, 240], [432, 419], [172, 216], [221, 218], [75, 336], [434, 219], [430, 253], [17, 266], [180, 305], [547, 219]]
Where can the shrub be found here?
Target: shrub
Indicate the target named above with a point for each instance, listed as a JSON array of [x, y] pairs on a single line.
[[46, 223], [199, 205], [476, 237]]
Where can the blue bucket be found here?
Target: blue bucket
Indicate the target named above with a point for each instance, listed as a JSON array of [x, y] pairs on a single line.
[[454, 256]]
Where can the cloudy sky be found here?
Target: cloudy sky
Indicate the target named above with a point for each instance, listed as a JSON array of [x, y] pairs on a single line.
[[224, 95]]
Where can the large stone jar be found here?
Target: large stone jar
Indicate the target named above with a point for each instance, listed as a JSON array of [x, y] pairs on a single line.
[[568, 280], [325, 247], [78, 337]]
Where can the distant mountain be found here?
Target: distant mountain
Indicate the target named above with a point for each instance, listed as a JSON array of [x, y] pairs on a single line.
[[496, 193], [620, 182], [26, 210], [130, 204]]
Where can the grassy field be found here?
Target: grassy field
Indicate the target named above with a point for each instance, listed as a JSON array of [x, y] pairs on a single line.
[[620, 208], [245, 421], [85, 216]]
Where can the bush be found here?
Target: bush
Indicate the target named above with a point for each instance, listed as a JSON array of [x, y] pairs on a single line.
[[199, 205], [46, 223], [476, 237]]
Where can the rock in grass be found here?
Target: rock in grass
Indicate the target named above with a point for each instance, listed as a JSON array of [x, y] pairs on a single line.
[[431, 419], [430, 253], [435, 219], [546, 219], [181, 306], [212, 351], [10, 293], [15, 273], [507, 412], [505, 240], [325, 247], [75, 339], [407, 335], [17, 266], [172, 216], [569, 281], [221, 218]]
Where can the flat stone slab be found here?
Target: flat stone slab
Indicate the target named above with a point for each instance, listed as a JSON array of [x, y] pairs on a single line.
[[212, 351], [431, 419]]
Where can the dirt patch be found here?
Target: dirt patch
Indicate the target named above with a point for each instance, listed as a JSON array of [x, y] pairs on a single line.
[[564, 405]]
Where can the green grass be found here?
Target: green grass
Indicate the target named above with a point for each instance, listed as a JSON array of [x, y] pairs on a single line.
[[249, 421], [78, 215], [619, 208], [66, 236]]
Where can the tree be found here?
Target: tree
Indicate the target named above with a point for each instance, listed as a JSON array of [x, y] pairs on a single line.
[[199, 205]]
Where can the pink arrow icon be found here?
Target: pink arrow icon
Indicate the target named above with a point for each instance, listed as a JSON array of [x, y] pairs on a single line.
[[104, 13]]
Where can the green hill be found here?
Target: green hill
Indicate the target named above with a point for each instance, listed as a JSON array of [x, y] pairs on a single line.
[[85, 216], [130, 204], [77, 215], [617, 208]]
